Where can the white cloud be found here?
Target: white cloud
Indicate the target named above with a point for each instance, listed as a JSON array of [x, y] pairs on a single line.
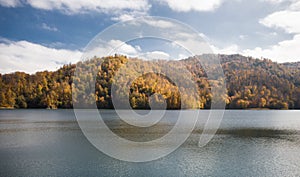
[[158, 23], [193, 45], [117, 8], [154, 55], [119, 47], [242, 37], [123, 17], [192, 5], [285, 51], [105, 48], [286, 20], [49, 28], [123, 48], [274, 1], [231, 49], [10, 3], [154, 22], [295, 5], [30, 57], [182, 56], [280, 1], [78, 6]]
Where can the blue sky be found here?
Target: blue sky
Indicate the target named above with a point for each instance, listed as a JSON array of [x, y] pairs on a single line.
[[37, 35]]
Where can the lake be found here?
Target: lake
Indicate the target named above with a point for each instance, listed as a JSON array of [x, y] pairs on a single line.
[[248, 143]]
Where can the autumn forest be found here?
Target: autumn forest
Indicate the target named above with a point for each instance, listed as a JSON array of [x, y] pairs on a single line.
[[251, 83]]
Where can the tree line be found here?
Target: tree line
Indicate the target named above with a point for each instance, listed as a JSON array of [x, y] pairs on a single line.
[[250, 83]]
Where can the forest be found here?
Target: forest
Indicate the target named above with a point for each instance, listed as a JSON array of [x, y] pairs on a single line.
[[251, 84]]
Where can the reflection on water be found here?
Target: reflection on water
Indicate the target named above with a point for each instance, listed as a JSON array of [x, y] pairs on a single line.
[[248, 143]]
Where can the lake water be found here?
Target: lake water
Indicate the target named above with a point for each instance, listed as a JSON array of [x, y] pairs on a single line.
[[248, 143]]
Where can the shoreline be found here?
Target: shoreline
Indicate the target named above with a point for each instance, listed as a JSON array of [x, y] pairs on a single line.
[[249, 109]]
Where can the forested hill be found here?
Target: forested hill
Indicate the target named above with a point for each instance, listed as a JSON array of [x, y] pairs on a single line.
[[251, 83]]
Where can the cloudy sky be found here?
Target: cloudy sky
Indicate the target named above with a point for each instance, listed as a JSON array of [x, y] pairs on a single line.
[[45, 34]]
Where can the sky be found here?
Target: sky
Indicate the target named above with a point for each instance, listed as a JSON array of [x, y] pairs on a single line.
[[38, 35]]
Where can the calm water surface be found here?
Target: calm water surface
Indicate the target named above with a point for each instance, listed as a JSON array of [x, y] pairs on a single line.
[[248, 143]]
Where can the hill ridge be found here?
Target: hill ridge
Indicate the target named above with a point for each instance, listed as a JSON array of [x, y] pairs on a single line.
[[251, 83]]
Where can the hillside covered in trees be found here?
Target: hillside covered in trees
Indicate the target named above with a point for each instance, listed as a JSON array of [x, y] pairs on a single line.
[[251, 83]]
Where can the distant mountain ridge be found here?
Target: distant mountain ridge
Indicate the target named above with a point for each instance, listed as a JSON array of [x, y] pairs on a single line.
[[251, 83]]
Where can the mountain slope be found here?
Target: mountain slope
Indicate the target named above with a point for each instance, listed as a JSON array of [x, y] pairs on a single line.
[[251, 83]]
